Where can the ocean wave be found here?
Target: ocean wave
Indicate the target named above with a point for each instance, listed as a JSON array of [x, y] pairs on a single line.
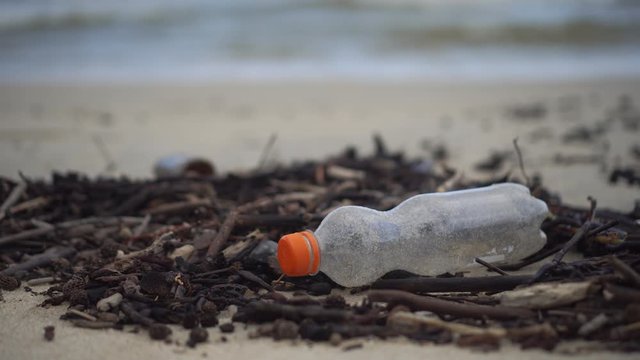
[[60, 22], [577, 32]]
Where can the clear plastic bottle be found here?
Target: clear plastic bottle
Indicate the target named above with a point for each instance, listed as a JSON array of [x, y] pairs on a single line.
[[427, 234]]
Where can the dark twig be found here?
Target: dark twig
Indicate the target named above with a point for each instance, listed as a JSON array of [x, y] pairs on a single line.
[[223, 235], [540, 255], [603, 227], [579, 235], [45, 258], [490, 266], [135, 316], [621, 293], [267, 151], [254, 278], [111, 165], [33, 233], [453, 284], [625, 270], [521, 162], [444, 307]]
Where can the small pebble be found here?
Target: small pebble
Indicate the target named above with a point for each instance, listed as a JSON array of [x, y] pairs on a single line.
[[208, 320], [110, 302], [284, 329], [335, 339], [159, 331], [227, 328]]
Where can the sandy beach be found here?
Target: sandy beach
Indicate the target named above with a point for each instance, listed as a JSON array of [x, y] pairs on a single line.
[[85, 127], [533, 91]]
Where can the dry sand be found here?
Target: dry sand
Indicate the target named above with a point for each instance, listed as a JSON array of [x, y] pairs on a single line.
[[45, 128]]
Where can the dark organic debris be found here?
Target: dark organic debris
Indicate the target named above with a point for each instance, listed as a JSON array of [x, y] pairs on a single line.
[[197, 335], [187, 250], [49, 332], [528, 112]]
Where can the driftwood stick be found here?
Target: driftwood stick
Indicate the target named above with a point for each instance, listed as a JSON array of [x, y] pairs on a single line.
[[454, 284], [13, 197], [30, 204], [179, 206], [254, 278], [534, 258], [125, 262], [491, 267], [621, 293], [67, 225], [409, 322], [140, 229], [625, 270], [223, 235], [42, 259], [603, 227], [27, 234], [444, 307], [579, 235], [135, 316], [88, 324]]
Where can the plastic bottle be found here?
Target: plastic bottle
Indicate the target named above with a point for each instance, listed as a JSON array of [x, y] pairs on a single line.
[[427, 234]]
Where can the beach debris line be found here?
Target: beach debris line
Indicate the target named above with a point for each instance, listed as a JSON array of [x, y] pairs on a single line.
[[198, 252]]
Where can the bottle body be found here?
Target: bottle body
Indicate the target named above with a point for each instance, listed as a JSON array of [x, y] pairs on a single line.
[[431, 234]]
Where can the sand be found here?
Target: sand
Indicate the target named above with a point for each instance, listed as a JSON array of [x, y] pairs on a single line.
[[84, 127], [23, 322]]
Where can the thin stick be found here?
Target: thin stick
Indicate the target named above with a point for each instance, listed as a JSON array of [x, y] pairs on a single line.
[[135, 316], [41, 281], [179, 206], [223, 235], [33, 233], [142, 227], [13, 197], [111, 165], [521, 162], [627, 271], [454, 284], [267, 151], [30, 204], [45, 258], [540, 255], [81, 314], [439, 306], [252, 277], [603, 227], [490, 266], [579, 235]]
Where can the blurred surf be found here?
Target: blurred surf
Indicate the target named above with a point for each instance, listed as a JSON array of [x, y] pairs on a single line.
[[198, 40]]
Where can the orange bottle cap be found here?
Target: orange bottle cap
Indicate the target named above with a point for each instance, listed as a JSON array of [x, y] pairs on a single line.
[[299, 254]]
